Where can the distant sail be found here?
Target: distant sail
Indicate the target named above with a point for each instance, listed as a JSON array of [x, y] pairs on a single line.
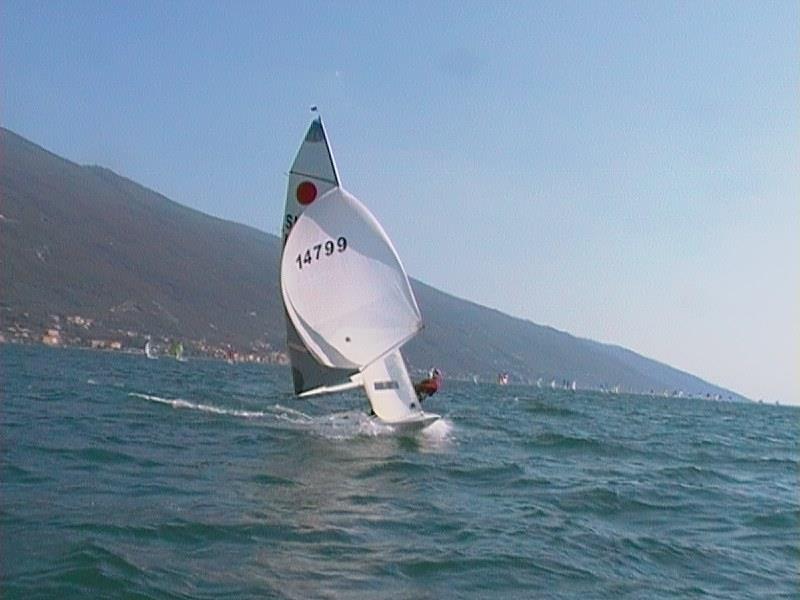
[[176, 350]]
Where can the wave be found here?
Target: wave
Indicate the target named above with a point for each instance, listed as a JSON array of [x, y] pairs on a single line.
[[568, 442], [88, 567], [604, 501], [269, 479], [782, 520], [498, 472], [87, 456], [537, 407], [694, 474], [16, 474]]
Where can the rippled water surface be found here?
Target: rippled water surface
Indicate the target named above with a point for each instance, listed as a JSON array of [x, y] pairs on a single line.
[[123, 476]]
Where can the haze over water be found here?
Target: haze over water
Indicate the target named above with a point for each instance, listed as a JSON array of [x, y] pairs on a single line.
[[159, 479]]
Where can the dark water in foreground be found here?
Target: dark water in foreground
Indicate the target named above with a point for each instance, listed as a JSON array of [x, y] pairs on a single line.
[[123, 477]]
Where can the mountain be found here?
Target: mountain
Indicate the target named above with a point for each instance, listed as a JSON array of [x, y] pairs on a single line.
[[80, 240], [97, 256]]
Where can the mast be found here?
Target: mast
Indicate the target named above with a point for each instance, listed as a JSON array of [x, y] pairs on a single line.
[[312, 174]]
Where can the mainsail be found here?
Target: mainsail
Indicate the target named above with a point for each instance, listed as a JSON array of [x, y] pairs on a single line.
[[347, 298], [313, 173], [389, 388]]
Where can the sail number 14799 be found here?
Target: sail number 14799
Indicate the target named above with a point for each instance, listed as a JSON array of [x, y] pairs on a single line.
[[321, 250]]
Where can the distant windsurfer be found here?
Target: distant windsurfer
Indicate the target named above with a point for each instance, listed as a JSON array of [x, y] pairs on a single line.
[[429, 386]]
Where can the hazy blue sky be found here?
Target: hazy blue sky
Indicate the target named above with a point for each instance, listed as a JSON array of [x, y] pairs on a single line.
[[624, 171]]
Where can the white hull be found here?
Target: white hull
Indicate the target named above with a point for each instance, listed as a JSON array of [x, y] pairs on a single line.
[[414, 422]]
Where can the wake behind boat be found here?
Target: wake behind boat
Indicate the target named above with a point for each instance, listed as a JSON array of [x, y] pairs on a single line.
[[348, 302]]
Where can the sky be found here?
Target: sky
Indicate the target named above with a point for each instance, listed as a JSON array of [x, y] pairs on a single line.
[[627, 172]]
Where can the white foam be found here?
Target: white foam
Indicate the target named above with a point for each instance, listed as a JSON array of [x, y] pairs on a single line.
[[287, 413], [336, 426], [180, 403], [348, 425], [438, 433]]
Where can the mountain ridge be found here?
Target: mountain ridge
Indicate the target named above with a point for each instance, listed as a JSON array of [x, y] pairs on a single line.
[[84, 241]]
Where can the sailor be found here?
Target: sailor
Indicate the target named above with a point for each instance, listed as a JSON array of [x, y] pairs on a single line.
[[428, 387]]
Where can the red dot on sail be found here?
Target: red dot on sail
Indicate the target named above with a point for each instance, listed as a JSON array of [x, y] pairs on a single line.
[[306, 192]]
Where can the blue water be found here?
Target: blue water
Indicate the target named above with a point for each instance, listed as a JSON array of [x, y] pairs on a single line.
[[125, 477]]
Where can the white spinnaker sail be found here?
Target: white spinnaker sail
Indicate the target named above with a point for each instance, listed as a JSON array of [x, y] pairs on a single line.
[[344, 286], [312, 174]]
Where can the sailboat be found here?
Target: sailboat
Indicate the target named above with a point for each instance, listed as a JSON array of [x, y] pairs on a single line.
[[348, 303], [148, 350], [176, 350]]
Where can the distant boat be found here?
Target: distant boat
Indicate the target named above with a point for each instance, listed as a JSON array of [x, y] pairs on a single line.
[[574, 385], [149, 352], [475, 379], [176, 350], [502, 378], [348, 302]]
